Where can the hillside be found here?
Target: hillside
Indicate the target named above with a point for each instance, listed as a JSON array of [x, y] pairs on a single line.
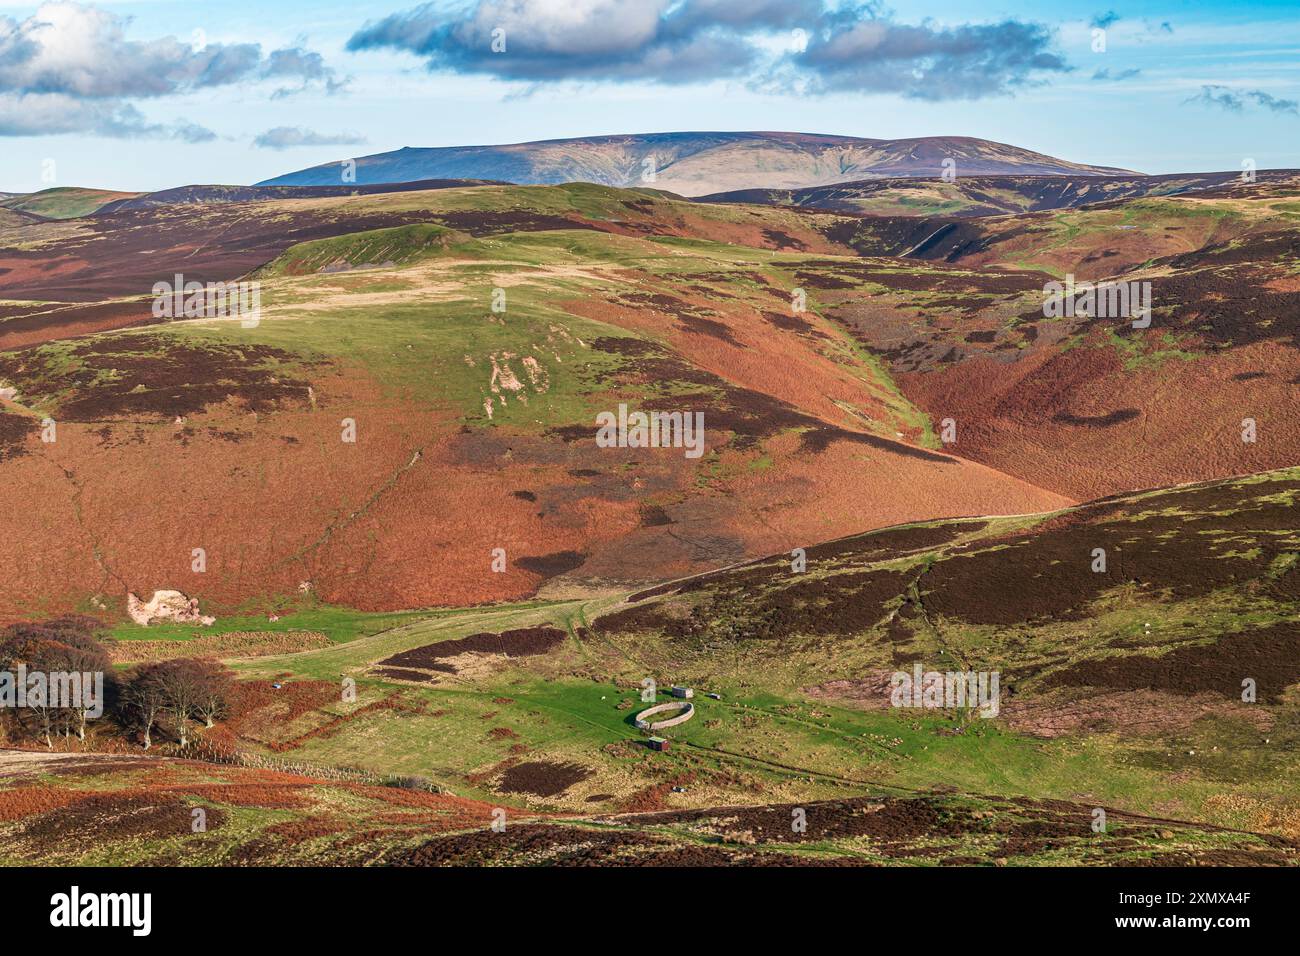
[[394, 477], [1089, 406], [14, 219], [64, 202], [1120, 689], [140, 813], [675, 306], [970, 196], [378, 308], [209, 195], [694, 164], [123, 250], [1180, 610]]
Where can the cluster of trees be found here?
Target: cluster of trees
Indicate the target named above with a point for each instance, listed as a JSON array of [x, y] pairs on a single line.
[[163, 697], [65, 646], [170, 694]]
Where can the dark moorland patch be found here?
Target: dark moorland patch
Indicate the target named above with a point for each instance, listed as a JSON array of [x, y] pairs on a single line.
[[150, 374], [1098, 421], [523, 642], [541, 778], [14, 430], [552, 565], [1268, 655], [118, 816]]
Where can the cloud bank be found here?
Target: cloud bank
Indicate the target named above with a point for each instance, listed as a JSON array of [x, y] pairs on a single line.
[[72, 68], [828, 48]]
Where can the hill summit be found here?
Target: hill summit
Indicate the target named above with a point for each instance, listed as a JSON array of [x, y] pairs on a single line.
[[695, 164]]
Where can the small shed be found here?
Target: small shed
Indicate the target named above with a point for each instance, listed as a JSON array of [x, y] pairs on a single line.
[[685, 693], [657, 743]]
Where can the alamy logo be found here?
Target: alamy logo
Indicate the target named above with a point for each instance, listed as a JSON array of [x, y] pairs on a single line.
[[55, 690], [947, 689], [103, 909], [1103, 300], [652, 430], [215, 300]]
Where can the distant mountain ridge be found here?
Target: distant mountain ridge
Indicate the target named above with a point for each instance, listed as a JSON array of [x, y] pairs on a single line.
[[696, 164], [211, 194], [970, 196]]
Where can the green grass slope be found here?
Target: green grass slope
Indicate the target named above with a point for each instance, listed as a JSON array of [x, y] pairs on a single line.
[[1121, 688], [64, 202]]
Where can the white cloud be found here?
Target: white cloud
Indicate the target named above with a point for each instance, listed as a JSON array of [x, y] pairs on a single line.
[[74, 68], [287, 137]]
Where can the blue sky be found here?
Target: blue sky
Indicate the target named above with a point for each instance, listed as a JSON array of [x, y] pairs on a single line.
[[157, 93]]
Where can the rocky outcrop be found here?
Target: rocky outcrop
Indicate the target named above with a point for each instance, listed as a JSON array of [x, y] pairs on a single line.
[[166, 606]]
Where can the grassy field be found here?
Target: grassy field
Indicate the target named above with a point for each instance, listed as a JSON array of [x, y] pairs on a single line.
[[339, 624], [64, 202], [767, 737], [753, 744]]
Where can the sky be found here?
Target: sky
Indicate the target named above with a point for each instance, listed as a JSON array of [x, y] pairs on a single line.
[[150, 94]]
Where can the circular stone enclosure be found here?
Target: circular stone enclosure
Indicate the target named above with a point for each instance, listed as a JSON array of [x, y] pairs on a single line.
[[687, 712]]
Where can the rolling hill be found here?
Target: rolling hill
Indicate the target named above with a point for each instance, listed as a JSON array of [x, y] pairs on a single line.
[[208, 195], [63, 202], [694, 164], [393, 476], [377, 308], [380, 312], [1177, 609], [1052, 399], [971, 196]]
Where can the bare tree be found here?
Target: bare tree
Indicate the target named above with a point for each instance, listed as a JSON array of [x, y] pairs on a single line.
[[216, 692], [59, 657], [85, 656], [39, 703], [184, 684], [144, 697]]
